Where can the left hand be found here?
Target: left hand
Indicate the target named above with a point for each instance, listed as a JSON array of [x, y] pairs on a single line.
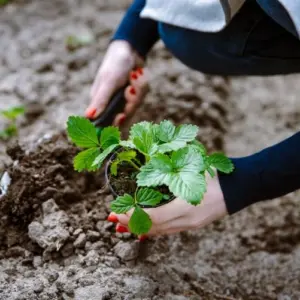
[[178, 215]]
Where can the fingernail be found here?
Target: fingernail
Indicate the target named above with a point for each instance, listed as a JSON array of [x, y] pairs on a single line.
[[121, 228], [132, 91], [112, 218], [140, 71], [90, 113], [134, 76], [143, 238], [122, 120]]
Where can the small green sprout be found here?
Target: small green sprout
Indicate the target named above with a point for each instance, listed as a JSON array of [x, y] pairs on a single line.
[[11, 116], [74, 42]]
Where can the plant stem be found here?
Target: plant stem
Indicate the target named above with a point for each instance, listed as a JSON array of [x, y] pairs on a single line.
[[133, 164], [147, 157], [135, 202], [137, 161]]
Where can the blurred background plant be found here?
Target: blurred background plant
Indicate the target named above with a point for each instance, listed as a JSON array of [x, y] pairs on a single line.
[[3, 2], [11, 115]]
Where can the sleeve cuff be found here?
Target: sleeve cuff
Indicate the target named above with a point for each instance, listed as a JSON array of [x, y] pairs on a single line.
[[243, 186]]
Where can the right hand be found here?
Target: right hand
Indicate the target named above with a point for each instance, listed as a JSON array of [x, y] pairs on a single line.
[[178, 215], [118, 64]]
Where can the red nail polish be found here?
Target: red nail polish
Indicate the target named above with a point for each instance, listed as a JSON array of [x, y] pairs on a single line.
[[134, 76], [122, 120], [112, 218], [121, 228], [143, 238], [91, 112], [140, 71], [132, 91]]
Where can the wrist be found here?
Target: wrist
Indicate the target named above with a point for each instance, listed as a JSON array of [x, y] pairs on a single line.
[[126, 50], [216, 195]]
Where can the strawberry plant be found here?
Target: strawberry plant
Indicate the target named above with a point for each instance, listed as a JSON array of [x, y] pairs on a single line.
[[156, 164]]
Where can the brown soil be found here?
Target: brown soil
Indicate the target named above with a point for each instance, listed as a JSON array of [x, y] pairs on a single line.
[[55, 241]]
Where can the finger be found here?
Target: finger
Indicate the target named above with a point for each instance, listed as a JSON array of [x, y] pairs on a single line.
[[100, 100], [124, 218], [135, 93], [139, 80], [162, 214], [119, 119], [121, 228]]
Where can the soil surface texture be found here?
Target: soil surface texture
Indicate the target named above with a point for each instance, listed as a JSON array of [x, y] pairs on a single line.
[[55, 242]]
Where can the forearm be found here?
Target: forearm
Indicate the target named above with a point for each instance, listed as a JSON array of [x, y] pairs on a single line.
[[268, 174], [142, 34]]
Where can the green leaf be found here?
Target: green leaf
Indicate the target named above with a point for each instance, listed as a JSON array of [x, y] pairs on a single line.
[[211, 172], [102, 156], [188, 186], [13, 112], [140, 222], [127, 144], [10, 131], [186, 182], [162, 163], [84, 160], [148, 197], [140, 129], [183, 134], [114, 167], [109, 136], [166, 131], [157, 172], [122, 204], [82, 132], [186, 132], [126, 155], [166, 197], [220, 162], [187, 160], [181, 174], [142, 136], [199, 147]]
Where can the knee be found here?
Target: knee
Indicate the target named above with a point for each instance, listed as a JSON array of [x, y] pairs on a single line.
[[198, 50]]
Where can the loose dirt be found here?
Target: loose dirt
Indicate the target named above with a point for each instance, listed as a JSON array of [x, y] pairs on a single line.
[[55, 240]]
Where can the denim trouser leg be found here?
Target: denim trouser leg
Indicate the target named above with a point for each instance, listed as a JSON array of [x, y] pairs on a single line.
[[252, 44]]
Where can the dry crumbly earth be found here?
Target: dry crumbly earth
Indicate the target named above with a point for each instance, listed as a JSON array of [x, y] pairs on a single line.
[[54, 240]]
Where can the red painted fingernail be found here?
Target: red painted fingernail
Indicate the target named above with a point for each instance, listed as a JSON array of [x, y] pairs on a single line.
[[91, 112], [143, 238], [132, 91], [134, 76], [122, 120], [140, 71], [112, 218], [121, 228]]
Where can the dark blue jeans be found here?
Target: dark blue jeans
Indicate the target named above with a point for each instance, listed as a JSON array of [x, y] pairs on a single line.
[[256, 42]]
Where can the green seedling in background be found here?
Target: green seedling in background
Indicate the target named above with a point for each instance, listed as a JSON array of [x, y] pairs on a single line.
[[3, 2], [74, 42], [11, 116], [159, 154]]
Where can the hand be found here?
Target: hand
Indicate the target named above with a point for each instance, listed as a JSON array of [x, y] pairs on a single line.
[[117, 66], [178, 215]]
